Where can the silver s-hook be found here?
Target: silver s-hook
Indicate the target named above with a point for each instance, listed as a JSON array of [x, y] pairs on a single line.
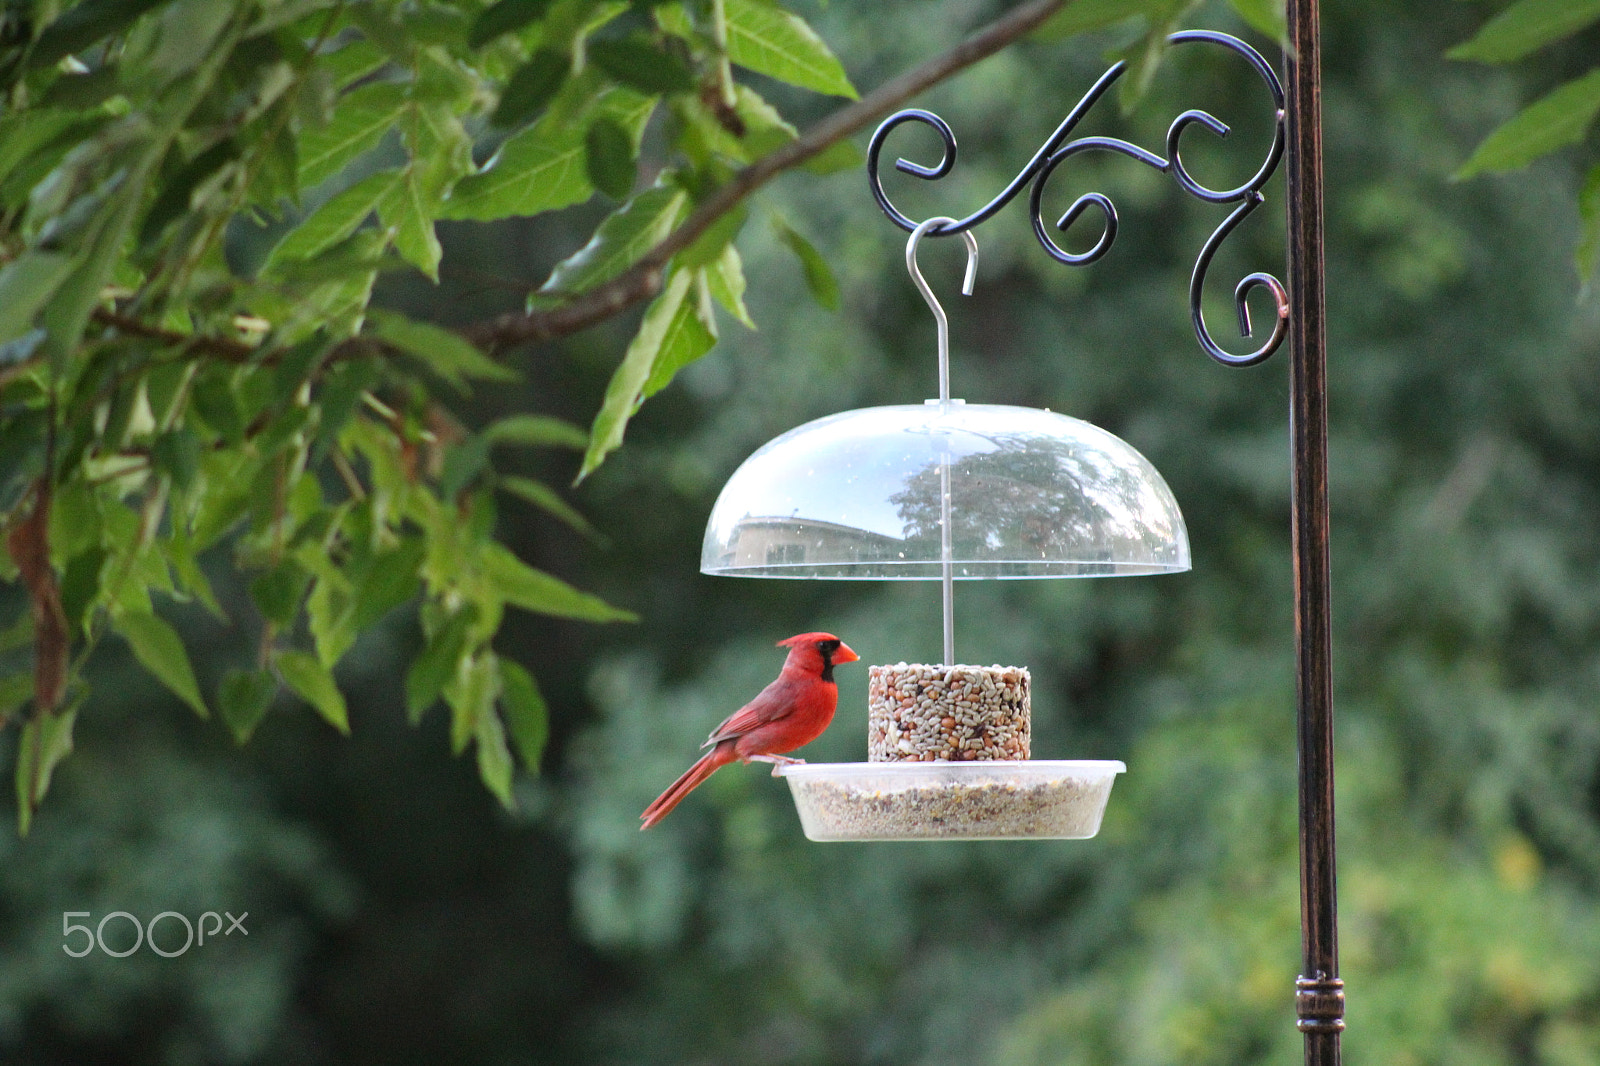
[[933, 302]]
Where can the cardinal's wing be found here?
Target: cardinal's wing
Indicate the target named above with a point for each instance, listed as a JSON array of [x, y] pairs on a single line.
[[774, 701]]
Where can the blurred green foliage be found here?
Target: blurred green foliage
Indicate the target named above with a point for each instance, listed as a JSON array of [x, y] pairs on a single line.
[[399, 914]]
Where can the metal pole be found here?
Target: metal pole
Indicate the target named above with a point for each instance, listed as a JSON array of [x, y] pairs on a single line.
[[1319, 994]]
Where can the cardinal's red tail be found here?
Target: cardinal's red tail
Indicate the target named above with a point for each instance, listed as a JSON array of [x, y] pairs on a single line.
[[708, 764]]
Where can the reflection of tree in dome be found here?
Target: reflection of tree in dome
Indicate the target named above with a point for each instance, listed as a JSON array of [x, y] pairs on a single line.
[[1034, 497]]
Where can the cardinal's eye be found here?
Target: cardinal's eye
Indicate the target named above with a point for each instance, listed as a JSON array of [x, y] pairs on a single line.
[[827, 647]]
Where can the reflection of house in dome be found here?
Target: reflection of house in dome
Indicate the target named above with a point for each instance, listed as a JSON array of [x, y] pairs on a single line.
[[781, 541]]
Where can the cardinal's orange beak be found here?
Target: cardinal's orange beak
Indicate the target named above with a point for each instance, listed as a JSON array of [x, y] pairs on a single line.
[[844, 655]]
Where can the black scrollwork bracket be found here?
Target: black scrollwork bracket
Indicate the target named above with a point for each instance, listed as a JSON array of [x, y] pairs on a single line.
[[1059, 148]]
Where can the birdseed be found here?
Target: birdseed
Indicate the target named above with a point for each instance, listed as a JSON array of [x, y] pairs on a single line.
[[922, 713], [1063, 807]]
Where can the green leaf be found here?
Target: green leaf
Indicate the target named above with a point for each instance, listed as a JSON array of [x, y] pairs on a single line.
[[1266, 17], [462, 463], [548, 500], [213, 399], [725, 278], [441, 351], [385, 580], [620, 241], [160, 650], [330, 614], [532, 87], [608, 158], [26, 284], [180, 552], [535, 431], [494, 757], [15, 690], [526, 716], [278, 592], [573, 22], [83, 25], [707, 248], [765, 131], [691, 335], [1587, 253], [353, 61], [360, 119], [439, 660], [276, 178], [381, 24], [436, 24], [769, 40], [1084, 16], [440, 149], [44, 742], [162, 385], [672, 334], [533, 590], [1554, 121], [408, 211], [174, 199], [1525, 27], [176, 453], [640, 64], [184, 34], [507, 16], [75, 522], [344, 603], [472, 699], [229, 475], [339, 396], [244, 699], [336, 219], [32, 142], [533, 172], [819, 276], [305, 674], [80, 587], [542, 168]]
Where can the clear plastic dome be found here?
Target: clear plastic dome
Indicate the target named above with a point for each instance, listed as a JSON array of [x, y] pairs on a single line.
[[1032, 494]]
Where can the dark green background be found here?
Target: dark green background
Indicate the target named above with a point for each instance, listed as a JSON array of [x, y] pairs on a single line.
[[396, 915]]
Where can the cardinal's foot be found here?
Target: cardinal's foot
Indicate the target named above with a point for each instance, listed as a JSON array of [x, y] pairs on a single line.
[[778, 761]]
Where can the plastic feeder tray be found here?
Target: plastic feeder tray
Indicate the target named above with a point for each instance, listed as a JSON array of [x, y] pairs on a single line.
[[999, 800]]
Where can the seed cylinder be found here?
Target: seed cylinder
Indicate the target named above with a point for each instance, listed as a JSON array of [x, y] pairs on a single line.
[[922, 713]]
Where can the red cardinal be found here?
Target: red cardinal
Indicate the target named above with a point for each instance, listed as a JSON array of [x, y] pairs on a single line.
[[790, 712]]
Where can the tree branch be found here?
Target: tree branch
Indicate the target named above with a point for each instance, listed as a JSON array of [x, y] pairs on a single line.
[[222, 347], [643, 280], [226, 348]]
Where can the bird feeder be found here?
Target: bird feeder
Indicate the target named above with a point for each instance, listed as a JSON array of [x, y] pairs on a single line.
[[946, 491], [940, 491]]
